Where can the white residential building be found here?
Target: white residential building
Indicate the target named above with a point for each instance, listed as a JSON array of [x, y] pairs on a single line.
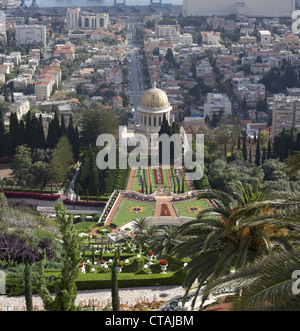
[[43, 89], [31, 34], [22, 81], [162, 31], [2, 23], [21, 107], [184, 39], [217, 103], [265, 36], [211, 37], [73, 18]]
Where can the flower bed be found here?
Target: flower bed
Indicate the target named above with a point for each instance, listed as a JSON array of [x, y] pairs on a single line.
[[159, 178], [30, 195]]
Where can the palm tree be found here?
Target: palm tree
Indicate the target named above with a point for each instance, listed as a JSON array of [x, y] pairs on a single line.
[[140, 225], [292, 165], [219, 241], [267, 284], [165, 240]]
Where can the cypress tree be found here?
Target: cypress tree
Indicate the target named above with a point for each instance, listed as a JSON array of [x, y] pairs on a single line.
[[22, 133], [282, 146], [28, 287], [264, 156], [250, 155], [182, 186], [76, 144], [245, 146], [63, 130], [297, 145], [71, 131], [56, 129], [65, 288], [13, 133], [28, 128], [269, 152], [41, 133], [50, 135], [257, 154], [114, 284]]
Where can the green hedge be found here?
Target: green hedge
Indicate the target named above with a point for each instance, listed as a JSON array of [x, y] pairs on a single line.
[[96, 281]]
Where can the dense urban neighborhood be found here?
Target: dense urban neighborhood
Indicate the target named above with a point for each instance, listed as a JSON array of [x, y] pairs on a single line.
[[222, 241]]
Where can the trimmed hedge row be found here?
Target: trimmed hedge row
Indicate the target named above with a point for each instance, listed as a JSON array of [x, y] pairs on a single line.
[[15, 286], [30, 195], [30, 190]]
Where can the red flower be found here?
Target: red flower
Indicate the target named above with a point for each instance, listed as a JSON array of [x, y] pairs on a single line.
[[163, 262], [150, 253]]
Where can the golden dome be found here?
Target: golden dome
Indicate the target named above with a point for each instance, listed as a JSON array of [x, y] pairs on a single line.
[[155, 99]]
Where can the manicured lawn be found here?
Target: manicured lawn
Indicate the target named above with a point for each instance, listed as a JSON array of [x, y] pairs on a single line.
[[190, 208], [126, 214]]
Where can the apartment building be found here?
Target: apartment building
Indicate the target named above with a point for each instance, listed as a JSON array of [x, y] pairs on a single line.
[[211, 37], [217, 103], [43, 90], [49, 79], [20, 107], [163, 31], [31, 34], [73, 18], [286, 113]]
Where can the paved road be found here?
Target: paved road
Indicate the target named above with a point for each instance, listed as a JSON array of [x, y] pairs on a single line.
[[136, 88]]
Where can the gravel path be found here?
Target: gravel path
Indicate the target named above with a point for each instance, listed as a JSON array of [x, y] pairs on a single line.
[[101, 298]]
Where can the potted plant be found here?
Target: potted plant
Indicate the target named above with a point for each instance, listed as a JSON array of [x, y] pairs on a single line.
[[102, 263], [163, 265], [119, 267], [82, 267], [150, 256]]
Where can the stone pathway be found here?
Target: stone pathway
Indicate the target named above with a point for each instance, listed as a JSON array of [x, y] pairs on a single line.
[[131, 179], [101, 298]]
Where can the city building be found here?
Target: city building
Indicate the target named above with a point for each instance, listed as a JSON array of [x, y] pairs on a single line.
[[216, 104], [21, 107], [265, 36], [43, 90], [64, 52], [162, 31], [251, 8], [73, 18], [91, 21], [2, 25], [31, 34], [286, 113], [210, 37]]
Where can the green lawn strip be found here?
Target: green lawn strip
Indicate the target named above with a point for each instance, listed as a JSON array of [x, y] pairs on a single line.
[[136, 186], [124, 215], [186, 204], [86, 226]]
